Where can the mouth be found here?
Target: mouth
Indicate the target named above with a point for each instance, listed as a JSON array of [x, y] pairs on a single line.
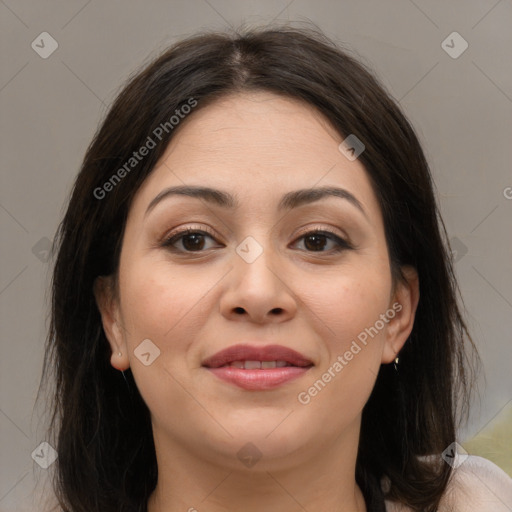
[[257, 368]]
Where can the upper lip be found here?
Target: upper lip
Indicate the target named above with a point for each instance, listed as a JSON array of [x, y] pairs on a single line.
[[254, 353]]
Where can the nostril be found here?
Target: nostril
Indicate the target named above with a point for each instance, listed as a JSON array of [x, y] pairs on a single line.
[[276, 311], [239, 310]]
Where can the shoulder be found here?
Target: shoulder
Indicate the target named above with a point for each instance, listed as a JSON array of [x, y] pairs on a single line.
[[476, 485]]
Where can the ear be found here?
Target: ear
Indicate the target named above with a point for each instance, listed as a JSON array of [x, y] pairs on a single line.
[[110, 317], [404, 303]]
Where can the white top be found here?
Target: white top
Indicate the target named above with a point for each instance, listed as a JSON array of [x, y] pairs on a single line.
[[477, 485]]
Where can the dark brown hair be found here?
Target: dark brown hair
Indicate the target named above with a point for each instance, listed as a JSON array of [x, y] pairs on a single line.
[[101, 425]]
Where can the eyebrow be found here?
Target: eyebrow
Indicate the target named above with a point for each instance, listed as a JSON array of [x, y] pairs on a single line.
[[223, 199]]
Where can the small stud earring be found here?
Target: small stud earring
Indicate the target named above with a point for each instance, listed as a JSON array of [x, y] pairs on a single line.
[[395, 364]]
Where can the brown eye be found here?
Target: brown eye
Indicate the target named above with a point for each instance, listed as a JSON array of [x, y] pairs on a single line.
[[317, 240], [192, 240]]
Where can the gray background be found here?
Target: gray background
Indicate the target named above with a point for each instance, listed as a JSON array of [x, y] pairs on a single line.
[[461, 108]]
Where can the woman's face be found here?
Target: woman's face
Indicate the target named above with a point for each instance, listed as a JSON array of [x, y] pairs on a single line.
[[250, 273]]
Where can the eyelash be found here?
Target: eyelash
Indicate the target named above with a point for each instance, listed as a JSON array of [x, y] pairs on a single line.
[[342, 244]]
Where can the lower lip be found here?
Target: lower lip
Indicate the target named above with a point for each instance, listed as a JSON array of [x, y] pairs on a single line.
[[258, 380]]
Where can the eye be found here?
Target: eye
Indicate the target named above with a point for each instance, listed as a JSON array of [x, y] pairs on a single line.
[[315, 241], [191, 239], [194, 240]]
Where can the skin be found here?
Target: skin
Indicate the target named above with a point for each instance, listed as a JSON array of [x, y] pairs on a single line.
[[257, 146]]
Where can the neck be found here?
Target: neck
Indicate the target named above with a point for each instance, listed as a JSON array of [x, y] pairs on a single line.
[[323, 481]]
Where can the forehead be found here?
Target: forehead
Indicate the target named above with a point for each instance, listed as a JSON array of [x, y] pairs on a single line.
[[270, 130], [255, 144]]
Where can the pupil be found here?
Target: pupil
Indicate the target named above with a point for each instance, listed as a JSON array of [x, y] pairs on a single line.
[[317, 241], [198, 242]]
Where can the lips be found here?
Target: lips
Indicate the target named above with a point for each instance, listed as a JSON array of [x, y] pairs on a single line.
[[250, 356], [257, 368]]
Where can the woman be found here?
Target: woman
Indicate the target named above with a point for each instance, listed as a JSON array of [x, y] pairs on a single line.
[[254, 306]]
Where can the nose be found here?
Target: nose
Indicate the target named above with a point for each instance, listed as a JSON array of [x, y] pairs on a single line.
[[258, 292]]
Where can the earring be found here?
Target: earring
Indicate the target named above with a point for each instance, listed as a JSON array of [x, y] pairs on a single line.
[[395, 364], [119, 354]]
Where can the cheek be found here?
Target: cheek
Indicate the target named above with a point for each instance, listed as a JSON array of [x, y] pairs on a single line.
[[347, 303], [158, 301], [348, 309], [163, 307], [154, 303]]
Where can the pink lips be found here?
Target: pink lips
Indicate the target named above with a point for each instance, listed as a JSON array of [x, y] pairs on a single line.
[[257, 368]]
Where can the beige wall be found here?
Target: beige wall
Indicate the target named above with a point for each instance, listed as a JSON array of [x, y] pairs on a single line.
[[461, 107]]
